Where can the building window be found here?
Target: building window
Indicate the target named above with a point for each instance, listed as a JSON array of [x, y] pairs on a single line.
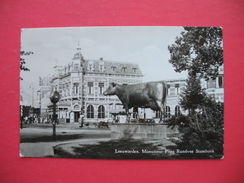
[[90, 66], [158, 113], [220, 82], [67, 90], [167, 114], [177, 110], [135, 112], [113, 68], [177, 89], [134, 70], [76, 67], [101, 88], [76, 88], [168, 88], [101, 111], [63, 91], [123, 69], [90, 87], [172, 91], [101, 66], [90, 111]]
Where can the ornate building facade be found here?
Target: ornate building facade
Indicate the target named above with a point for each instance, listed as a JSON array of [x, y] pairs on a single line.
[[81, 84], [213, 87]]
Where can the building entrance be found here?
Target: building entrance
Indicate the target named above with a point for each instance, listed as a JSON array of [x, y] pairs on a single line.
[[76, 117]]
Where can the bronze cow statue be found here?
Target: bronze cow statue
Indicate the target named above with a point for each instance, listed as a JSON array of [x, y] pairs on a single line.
[[146, 95]]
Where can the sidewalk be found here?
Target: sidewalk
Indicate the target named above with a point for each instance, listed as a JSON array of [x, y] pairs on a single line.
[[44, 149]]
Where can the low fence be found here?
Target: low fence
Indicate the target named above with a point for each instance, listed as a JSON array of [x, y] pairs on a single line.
[[140, 131]]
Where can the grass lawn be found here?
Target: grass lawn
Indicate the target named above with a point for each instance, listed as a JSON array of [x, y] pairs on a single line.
[[115, 149]]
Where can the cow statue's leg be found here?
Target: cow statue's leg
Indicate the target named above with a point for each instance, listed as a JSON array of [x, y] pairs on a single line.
[[127, 113], [163, 112], [127, 116], [161, 108]]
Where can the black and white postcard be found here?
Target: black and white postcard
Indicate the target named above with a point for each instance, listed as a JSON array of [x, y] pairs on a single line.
[[122, 93]]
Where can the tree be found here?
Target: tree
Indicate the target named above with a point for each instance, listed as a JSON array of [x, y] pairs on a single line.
[[205, 130], [22, 61], [198, 50], [192, 95], [201, 128]]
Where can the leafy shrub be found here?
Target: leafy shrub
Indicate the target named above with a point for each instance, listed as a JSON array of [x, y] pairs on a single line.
[[205, 130]]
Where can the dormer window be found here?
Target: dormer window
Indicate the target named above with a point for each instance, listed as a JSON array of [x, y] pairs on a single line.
[[101, 67], [124, 69], [134, 70], [113, 68], [90, 66]]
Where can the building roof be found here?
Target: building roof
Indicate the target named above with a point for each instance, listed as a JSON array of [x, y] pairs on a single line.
[[98, 66], [77, 56], [112, 67]]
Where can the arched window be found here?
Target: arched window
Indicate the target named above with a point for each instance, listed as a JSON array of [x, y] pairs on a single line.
[[90, 111], [177, 110], [167, 115], [101, 111]]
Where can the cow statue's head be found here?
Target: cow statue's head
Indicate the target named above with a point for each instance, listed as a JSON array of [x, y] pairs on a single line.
[[111, 90]]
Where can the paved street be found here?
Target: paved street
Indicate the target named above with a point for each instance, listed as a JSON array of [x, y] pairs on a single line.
[[37, 139]]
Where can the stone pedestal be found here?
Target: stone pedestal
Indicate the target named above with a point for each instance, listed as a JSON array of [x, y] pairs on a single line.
[[141, 131]]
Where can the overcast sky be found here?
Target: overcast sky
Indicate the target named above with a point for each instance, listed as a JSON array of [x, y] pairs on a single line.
[[147, 46]]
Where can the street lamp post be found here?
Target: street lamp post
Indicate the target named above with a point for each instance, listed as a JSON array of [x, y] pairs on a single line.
[[39, 100], [54, 99]]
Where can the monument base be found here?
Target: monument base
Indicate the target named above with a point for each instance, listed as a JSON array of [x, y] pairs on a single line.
[[141, 131]]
